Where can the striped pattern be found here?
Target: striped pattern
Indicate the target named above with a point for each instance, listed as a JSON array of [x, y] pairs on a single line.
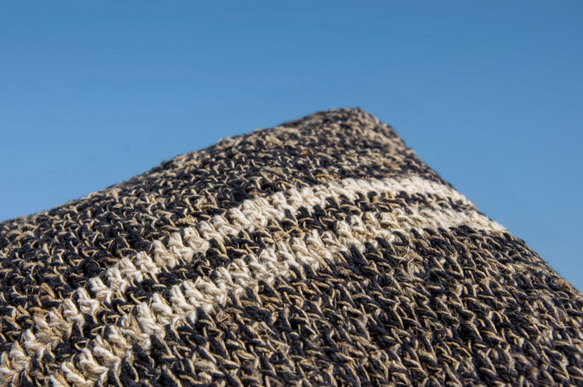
[[320, 252]]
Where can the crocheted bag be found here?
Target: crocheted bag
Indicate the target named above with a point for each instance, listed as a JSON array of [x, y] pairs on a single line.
[[320, 252]]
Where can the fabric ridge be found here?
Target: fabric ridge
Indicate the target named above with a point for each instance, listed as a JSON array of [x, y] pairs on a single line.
[[322, 252]]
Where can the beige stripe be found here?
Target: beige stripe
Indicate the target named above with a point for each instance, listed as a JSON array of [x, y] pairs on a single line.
[[274, 261]]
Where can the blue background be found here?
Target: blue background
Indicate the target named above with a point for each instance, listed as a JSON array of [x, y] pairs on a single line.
[[487, 93]]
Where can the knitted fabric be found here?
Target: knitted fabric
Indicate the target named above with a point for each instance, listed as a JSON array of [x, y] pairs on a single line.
[[322, 252]]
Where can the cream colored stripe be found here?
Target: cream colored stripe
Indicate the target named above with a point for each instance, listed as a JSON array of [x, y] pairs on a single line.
[[274, 261]]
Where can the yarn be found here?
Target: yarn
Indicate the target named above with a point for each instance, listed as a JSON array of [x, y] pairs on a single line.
[[319, 252]]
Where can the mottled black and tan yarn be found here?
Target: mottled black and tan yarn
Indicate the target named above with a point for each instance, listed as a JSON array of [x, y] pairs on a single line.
[[322, 252]]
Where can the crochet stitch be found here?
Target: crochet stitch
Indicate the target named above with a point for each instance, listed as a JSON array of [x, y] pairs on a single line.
[[322, 252]]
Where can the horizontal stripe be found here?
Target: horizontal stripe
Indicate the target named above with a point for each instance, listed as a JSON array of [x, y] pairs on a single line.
[[53, 253], [76, 241], [244, 243], [276, 260], [378, 311]]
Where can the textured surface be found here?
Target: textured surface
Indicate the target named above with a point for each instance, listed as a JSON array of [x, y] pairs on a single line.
[[320, 252]]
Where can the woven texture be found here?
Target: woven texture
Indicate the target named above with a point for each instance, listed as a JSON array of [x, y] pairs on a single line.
[[322, 252]]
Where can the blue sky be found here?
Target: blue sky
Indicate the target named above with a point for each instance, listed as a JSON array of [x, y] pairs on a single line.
[[489, 94]]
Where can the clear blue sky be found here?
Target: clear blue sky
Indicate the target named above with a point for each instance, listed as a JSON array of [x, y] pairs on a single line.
[[490, 94]]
